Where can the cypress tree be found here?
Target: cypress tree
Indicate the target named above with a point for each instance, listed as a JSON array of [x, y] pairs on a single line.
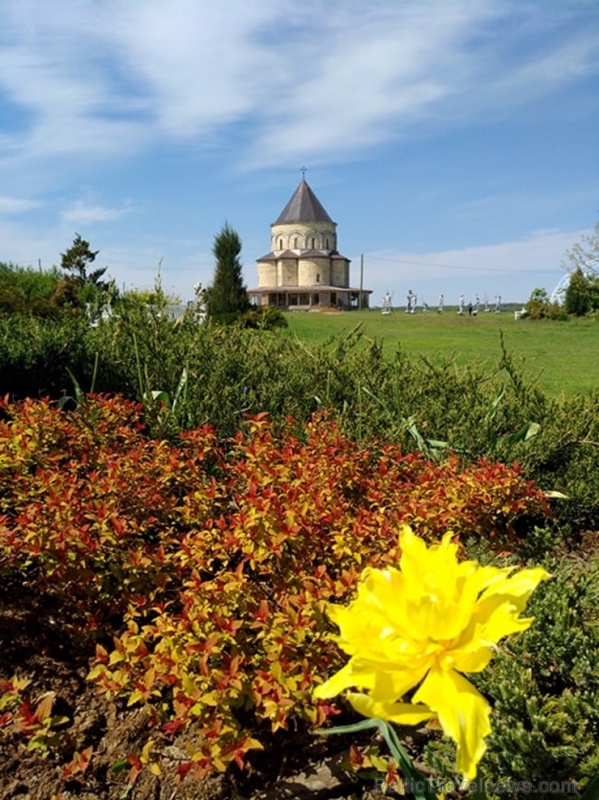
[[228, 294]]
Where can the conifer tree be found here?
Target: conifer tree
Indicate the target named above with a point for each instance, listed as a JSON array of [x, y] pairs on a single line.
[[76, 261], [83, 287], [228, 294]]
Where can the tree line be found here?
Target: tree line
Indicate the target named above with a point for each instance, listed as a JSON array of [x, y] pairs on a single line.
[[76, 288]]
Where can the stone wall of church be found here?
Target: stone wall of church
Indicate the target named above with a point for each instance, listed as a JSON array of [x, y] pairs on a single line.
[[312, 271], [303, 236], [287, 272], [304, 272], [340, 272], [267, 273]]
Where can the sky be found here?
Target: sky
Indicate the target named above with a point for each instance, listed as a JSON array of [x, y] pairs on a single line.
[[454, 142]]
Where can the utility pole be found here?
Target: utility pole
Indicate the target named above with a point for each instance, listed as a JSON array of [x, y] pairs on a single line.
[[361, 281]]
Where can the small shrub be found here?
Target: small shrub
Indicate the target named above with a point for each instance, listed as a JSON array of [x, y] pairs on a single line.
[[539, 306], [264, 318]]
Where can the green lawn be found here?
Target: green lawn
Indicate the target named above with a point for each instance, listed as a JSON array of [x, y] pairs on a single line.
[[563, 357]]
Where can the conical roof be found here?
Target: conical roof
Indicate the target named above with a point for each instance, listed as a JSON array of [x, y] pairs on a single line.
[[304, 206]]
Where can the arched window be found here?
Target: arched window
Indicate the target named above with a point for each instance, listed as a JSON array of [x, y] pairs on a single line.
[[318, 277], [280, 244], [295, 243], [327, 244], [312, 240]]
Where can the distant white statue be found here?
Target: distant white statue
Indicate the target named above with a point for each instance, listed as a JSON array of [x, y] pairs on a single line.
[[441, 303], [486, 302], [461, 305], [200, 294], [411, 302], [414, 303], [386, 309], [497, 304], [476, 305]]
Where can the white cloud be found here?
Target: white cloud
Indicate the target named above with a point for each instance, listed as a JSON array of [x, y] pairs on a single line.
[[86, 213], [16, 205], [379, 69], [528, 79], [317, 79], [388, 66], [199, 66]]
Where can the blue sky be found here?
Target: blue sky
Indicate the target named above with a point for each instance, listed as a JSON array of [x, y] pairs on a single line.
[[455, 142]]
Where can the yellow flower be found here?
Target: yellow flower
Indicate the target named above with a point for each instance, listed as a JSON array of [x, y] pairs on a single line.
[[421, 626]]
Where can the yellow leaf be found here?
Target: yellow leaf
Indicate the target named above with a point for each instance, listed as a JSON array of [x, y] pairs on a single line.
[[44, 707], [19, 683], [189, 685], [96, 672], [150, 678], [276, 670], [146, 750], [253, 744], [136, 696], [378, 763]]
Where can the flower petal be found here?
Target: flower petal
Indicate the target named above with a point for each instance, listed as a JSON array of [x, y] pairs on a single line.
[[391, 685], [388, 685], [349, 677], [518, 587], [497, 613], [400, 713], [463, 714]]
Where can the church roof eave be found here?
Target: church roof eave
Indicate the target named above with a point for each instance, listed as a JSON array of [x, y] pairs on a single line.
[[313, 253]]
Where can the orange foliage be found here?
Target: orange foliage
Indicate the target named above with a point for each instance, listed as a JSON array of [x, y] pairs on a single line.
[[220, 557]]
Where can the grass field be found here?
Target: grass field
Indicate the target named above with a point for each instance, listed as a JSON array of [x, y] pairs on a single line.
[[562, 357]]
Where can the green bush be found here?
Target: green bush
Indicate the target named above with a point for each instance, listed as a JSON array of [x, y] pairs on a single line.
[[565, 458], [539, 306], [31, 285], [36, 354], [549, 311], [264, 318]]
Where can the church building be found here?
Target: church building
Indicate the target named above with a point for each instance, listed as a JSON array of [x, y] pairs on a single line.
[[304, 270]]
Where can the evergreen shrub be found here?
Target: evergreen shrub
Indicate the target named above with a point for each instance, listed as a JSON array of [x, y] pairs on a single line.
[[544, 688]]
